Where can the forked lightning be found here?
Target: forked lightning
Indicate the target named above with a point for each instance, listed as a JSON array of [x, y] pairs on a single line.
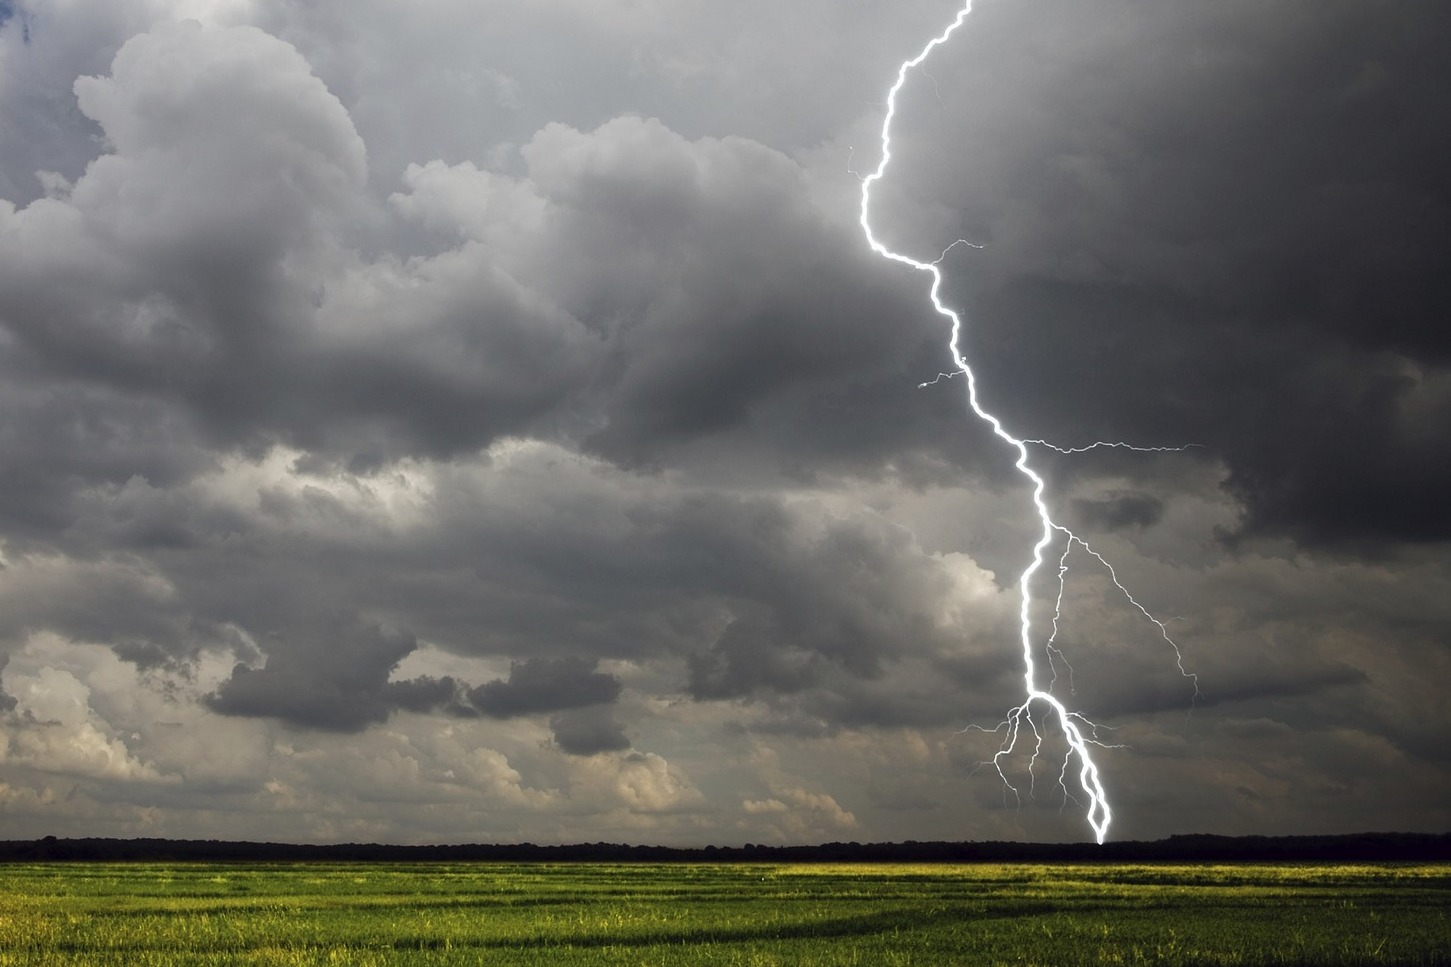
[[1080, 734]]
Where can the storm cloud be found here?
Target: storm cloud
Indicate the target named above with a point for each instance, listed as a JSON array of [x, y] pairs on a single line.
[[492, 424]]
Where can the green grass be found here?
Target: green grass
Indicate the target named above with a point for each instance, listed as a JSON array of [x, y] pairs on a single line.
[[213, 914]]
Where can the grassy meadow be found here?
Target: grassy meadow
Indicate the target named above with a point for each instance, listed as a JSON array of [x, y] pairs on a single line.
[[537, 914]]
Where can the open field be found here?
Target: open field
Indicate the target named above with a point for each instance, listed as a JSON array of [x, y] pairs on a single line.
[[537, 914]]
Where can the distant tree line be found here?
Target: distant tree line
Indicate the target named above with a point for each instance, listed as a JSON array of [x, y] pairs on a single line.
[[1361, 847]]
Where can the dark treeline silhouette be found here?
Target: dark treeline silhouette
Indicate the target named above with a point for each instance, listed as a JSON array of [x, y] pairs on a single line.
[[1363, 847]]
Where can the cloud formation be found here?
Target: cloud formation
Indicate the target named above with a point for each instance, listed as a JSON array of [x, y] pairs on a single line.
[[545, 685], [492, 424]]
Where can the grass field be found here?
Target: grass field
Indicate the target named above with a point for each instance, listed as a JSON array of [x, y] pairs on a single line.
[[144, 914]]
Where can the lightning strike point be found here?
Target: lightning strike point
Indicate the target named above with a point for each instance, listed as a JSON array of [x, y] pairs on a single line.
[[1079, 733]]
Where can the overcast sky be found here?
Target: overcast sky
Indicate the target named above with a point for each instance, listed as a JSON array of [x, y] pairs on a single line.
[[484, 421]]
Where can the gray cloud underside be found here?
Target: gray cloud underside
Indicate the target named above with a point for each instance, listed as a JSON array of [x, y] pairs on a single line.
[[1230, 237]]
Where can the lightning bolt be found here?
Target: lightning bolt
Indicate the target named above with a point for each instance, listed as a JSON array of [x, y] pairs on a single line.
[[1080, 733]]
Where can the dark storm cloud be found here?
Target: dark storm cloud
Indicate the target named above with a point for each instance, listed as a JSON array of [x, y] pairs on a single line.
[[632, 289], [1264, 686], [58, 440], [1219, 223], [753, 656], [200, 250], [726, 303], [546, 554], [1276, 290], [117, 600], [631, 391], [336, 681], [588, 731], [545, 685], [1120, 510], [428, 694], [548, 559], [1287, 682], [761, 295], [755, 596], [7, 701]]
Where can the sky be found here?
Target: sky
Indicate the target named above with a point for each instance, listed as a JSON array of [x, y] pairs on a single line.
[[468, 421]]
